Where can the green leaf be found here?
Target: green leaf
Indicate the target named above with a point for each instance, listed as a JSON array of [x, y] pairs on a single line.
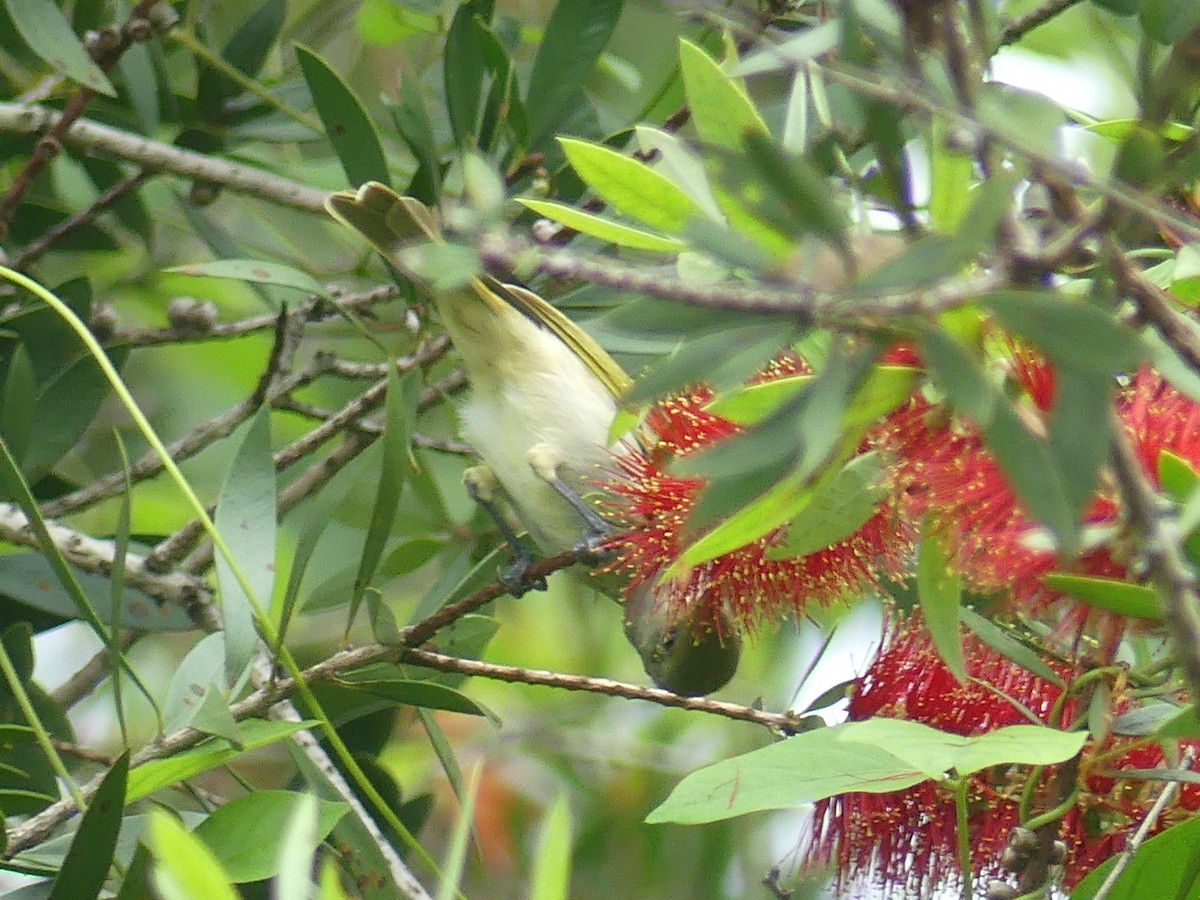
[[793, 53], [245, 518], [403, 392], [885, 389], [1027, 120], [423, 694], [86, 866], [456, 851], [1006, 645], [718, 359], [799, 200], [136, 883], [1074, 333], [1026, 459], [1136, 600], [75, 393], [149, 777], [838, 506], [1079, 446], [631, 187], [721, 111], [877, 756], [551, 878], [951, 173], [299, 839], [1165, 866], [349, 129], [202, 667], [940, 592], [185, 869], [212, 716], [412, 123], [604, 229], [504, 106], [18, 409], [463, 68], [1179, 481], [255, 271], [243, 834], [1121, 7], [575, 35], [937, 256], [245, 51], [1169, 21], [1176, 476], [49, 35], [681, 165]]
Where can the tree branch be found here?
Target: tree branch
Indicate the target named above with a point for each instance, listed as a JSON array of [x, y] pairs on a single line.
[[94, 138]]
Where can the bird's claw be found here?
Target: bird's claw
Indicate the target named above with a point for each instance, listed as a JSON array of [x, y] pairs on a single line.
[[593, 548], [516, 579]]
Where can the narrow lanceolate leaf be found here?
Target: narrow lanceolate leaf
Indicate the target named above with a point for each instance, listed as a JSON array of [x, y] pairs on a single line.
[[184, 868], [840, 504], [1026, 459], [246, 520], [721, 111], [244, 833], [631, 187], [602, 228], [575, 35], [255, 271], [877, 756], [401, 409], [552, 866], [463, 67], [1164, 866], [148, 778], [350, 130], [87, 862], [940, 593], [1076, 334], [49, 35], [1137, 600]]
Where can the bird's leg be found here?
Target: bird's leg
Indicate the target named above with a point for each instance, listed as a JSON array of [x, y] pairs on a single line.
[[484, 488], [545, 461]]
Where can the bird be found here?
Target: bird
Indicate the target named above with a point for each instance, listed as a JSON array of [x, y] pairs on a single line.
[[543, 396]]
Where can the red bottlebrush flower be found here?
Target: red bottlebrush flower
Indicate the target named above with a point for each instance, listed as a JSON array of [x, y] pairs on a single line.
[[952, 477], [908, 839], [651, 505]]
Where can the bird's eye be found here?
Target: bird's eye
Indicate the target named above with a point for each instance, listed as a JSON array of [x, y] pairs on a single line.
[[668, 638]]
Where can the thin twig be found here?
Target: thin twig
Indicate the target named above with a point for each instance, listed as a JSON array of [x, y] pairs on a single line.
[[60, 124], [311, 310], [1169, 790], [1154, 305], [85, 216], [177, 544], [799, 301], [780, 722], [89, 676], [1161, 545], [92, 137], [90, 554], [1020, 26]]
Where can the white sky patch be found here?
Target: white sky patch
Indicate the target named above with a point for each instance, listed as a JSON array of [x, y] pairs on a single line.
[[1076, 83]]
